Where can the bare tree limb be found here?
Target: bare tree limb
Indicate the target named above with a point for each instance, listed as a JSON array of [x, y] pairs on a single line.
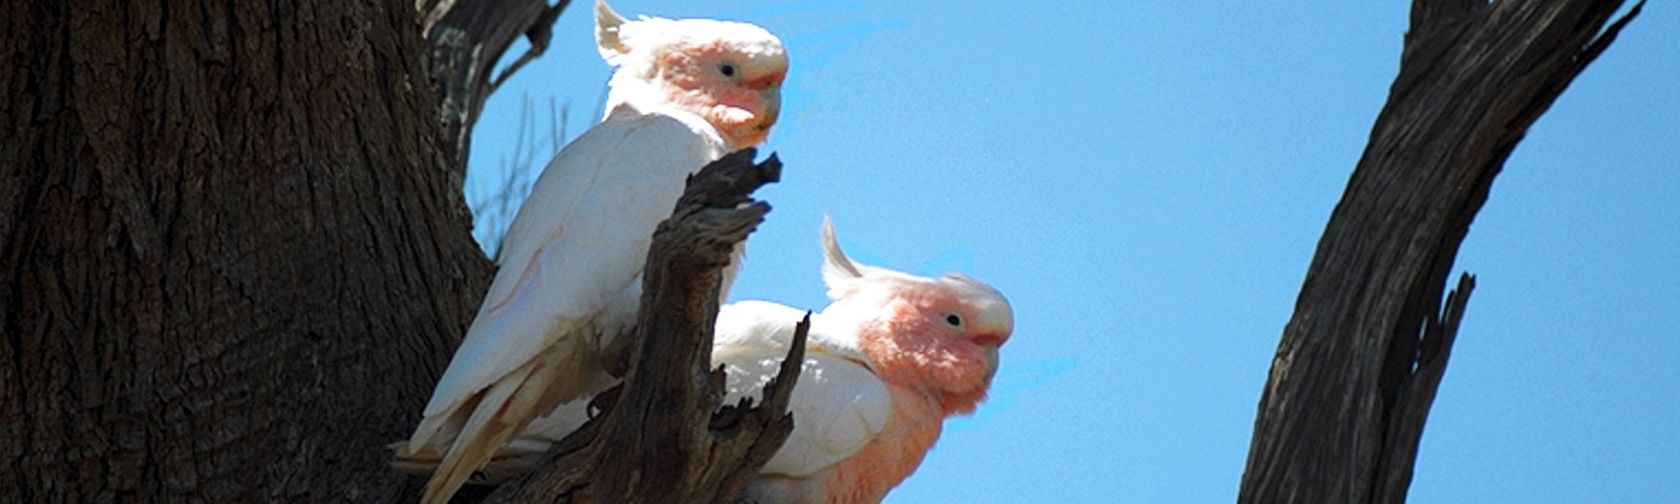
[[1418, 394], [1360, 360], [666, 437], [467, 38]]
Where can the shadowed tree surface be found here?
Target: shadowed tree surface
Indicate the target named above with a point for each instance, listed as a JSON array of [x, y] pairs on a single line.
[[233, 268], [1360, 361]]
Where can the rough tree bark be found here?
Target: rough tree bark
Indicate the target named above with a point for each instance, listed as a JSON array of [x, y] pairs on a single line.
[[1360, 360], [232, 267]]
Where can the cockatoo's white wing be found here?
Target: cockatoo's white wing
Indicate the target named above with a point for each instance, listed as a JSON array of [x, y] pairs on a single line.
[[838, 405], [576, 245], [748, 324]]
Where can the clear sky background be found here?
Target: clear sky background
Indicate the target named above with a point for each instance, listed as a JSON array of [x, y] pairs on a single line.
[[1147, 182]]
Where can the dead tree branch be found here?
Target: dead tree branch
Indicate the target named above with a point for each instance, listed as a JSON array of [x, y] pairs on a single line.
[[667, 437], [1360, 360], [467, 38]]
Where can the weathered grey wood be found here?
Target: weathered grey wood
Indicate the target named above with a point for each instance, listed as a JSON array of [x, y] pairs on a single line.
[[664, 437], [1360, 361]]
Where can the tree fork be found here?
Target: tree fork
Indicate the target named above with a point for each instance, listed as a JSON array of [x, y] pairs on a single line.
[[666, 437]]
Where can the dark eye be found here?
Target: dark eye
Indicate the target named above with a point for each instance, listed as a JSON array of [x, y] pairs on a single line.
[[728, 70], [953, 319]]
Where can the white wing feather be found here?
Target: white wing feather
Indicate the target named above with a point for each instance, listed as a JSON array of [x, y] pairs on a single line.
[[577, 244], [838, 405]]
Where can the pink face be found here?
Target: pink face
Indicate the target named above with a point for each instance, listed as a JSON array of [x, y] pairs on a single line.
[[737, 89], [939, 338]]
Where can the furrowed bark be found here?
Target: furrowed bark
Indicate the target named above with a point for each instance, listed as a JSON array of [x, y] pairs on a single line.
[[232, 267]]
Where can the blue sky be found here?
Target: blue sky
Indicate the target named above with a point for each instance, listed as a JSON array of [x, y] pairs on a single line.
[[1146, 182]]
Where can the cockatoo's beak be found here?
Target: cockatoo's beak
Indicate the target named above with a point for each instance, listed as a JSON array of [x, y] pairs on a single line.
[[769, 89], [991, 354], [990, 338], [772, 107]]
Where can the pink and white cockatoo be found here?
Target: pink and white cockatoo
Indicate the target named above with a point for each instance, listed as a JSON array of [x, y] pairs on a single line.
[[685, 92], [886, 362]]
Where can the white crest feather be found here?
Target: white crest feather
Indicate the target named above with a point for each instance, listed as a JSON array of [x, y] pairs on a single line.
[[838, 271], [607, 39]]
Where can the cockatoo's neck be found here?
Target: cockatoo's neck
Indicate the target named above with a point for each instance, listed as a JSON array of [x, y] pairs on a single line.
[[631, 110], [630, 86], [646, 92], [911, 430]]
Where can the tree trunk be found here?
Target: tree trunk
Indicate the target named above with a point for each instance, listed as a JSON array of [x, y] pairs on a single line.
[[1360, 360], [232, 267]]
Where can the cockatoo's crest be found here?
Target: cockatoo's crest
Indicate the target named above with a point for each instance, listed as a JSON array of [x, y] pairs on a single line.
[[844, 276], [839, 273], [607, 39]]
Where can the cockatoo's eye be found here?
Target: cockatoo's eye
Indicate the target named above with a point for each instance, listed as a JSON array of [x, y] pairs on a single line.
[[954, 320], [728, 70]]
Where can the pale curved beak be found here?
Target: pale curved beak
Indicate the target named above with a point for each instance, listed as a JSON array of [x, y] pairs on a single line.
[[772, 107], [992, 360]]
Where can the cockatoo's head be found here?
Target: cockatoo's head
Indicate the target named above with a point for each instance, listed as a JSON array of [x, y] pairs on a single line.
[[728, 73], [939, 335]]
